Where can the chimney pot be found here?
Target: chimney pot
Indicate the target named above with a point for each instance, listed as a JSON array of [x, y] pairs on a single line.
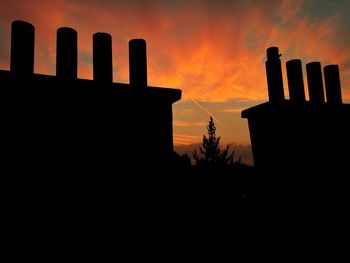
[[138, 63], [67, 53], [22, 48], [274, 75], [295, 81], [102, 57], [332, 82], [314, 80]]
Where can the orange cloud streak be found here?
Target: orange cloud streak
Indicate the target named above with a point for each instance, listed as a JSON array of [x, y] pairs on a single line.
[[182, 139], [189, 123]]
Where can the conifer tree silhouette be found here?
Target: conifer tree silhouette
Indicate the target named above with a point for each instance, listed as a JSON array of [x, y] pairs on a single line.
[[210, 149]]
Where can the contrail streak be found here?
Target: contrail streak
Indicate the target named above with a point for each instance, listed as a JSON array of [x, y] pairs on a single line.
[[207, 112]]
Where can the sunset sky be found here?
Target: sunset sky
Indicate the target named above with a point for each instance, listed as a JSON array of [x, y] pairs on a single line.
[[214, 50]]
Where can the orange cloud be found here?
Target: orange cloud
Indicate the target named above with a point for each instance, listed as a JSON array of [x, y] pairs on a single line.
[[234, 110], [213, 50], [189, 123]]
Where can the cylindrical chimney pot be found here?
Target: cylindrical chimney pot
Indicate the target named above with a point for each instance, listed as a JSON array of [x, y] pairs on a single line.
[[274, 75], [102, 57], [332, 82], [22, 48], [138, 63], [295, 81], [314, 80], [67, 53], [272, 53]]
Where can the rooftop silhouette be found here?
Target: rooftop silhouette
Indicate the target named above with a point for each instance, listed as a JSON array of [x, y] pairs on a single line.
[[63, 119], [298, 134], [88, 150], [76, 143], [301, 147]]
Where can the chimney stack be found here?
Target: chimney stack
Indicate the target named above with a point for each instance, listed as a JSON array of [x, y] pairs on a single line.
[[332, 82], [295, 81], [22, 48], [67, 53], [138, 63], [314, 80], [274, 75], [102, 57]]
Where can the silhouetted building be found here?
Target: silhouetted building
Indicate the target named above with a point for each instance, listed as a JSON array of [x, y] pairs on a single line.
[[296, 136], [60, 123]]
